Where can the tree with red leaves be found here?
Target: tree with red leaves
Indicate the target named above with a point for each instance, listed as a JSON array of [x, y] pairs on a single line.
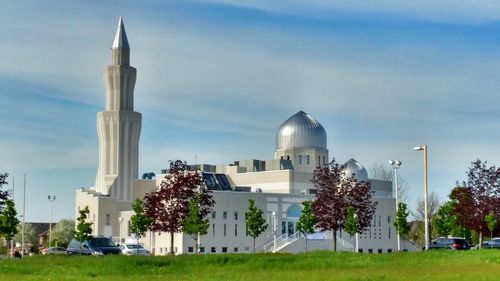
[[336, 191], [167, 206], [478, 197]]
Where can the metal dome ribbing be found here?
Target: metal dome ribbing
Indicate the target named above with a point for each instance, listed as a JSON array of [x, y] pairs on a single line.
[[354, 167], [301, 131]]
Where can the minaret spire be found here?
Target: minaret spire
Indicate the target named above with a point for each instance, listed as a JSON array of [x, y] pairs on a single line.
[[121, 41], [118, 126]]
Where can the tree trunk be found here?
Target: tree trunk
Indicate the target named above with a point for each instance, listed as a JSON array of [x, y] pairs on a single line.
[[306, 241], [254, 245], [480, 239], [334, 233], [172, 243], [491, 239], [196, 239]]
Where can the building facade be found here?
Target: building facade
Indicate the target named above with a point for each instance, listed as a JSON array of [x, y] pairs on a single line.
[[278, 186]]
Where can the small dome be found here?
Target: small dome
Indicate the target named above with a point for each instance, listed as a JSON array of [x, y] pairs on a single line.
[[301, 131], [354, 167]]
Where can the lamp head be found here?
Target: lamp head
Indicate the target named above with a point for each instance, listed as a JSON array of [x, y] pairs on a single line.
[[418, 148], [391, 162]]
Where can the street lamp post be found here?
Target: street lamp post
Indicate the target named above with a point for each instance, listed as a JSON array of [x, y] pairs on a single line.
[[395, 166], [356, 236], [274, 231], [426, 215], [120, 220], [51, 198]]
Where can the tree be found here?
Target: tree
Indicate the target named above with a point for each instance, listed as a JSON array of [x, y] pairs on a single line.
[[385, 172], [478, 197], [351, 223], [63, 232], [4, 194], [167, 205], [8, 220], [444, 221], [432, 207], [195, 224], [335, 191], [139, 222], [491, 221], [83, 228], [307, 221], [401, 222], [255, 222], [29, 234]]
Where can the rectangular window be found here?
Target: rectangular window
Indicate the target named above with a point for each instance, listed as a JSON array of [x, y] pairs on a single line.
[[108, 219], [379, 221], [300, 160], [235, 230], [224, 229], [202, 249], [128, 228], [360, 250], [213, 229], [283, 227], [308, 160], [389, 250], [213, 215], [380, 251], [190, 249], [388, 219], [319, 161], [370, 251], [235, 249], [235, 216], [213, 250], [288, 157], [389, 233], [224, 249], [224, 215], [324, 160]]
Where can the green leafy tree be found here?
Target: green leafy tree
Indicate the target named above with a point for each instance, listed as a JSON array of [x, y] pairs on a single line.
[[83, 228], [307, 221], [444, 221], [8, 221], [196, 223], [401, 223], [255, 222], [491, 222], [29, 234], [351, 223], [139, 222], [63, 232]]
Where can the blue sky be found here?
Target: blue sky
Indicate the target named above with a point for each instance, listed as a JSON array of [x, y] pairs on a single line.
[[216, 78]]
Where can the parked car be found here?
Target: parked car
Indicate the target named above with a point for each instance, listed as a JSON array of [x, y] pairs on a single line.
[[453, 243], [96, 246], [54, 251], [491, 244], [134, 250]]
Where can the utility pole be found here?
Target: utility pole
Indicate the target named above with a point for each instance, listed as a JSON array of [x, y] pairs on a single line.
[[24, 217], [51, 201]]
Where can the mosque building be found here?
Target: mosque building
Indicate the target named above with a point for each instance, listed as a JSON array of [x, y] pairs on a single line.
[[278, 186]]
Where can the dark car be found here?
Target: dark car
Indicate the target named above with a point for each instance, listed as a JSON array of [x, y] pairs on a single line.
[[452, 243], [96, 246]]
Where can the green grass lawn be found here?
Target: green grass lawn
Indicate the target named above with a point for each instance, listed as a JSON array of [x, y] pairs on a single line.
[[432, 265]]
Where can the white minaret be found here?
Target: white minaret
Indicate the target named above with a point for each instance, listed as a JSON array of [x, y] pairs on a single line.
[[118, 126]]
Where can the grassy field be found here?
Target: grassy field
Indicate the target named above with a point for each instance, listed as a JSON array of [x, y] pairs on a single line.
[[432, 265]]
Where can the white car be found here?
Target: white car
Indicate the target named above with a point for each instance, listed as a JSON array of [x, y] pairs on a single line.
[[134, 250]]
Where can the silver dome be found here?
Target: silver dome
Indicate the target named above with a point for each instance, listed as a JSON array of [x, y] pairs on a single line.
[[354, 167], [301, 131]]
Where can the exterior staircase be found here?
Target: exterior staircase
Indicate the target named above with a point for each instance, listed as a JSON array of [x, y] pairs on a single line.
[[281, 242]]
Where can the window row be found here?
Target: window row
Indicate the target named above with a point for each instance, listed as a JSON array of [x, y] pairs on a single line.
[[221, 250], [224, 215]]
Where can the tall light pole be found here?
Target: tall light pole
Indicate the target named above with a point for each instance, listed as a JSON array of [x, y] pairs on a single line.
[[395, 164], [356, 237], [24, 217], [274, 231], [120, 220], [426, 215], [51, 198]]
